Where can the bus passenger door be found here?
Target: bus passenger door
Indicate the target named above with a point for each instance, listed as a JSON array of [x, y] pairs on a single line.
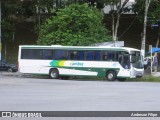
[[124, 60]]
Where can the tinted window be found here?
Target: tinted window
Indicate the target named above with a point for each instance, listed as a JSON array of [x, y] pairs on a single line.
[[97, 55], [61, 55], [90, 55], [109, 55], [29, 54], [93, 55], [47, 54], [77, 55], [36, 54]]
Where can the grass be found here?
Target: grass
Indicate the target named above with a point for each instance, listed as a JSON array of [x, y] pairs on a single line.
[[148, 78], [145, 78]]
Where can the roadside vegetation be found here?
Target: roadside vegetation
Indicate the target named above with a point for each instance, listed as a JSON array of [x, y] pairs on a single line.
[[145, 78], [77, 25], [148, 78]]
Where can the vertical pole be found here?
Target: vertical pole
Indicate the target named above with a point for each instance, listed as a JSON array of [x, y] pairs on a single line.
[[151, 60], [0, 34], [147, 2]]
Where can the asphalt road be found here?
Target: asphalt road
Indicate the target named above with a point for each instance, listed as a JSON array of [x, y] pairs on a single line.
[[23, 93], [19, 93]]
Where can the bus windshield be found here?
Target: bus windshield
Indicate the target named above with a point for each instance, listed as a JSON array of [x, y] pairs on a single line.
[[136, 59]]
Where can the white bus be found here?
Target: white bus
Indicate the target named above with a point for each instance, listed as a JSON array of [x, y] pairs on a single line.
[[65, 61]]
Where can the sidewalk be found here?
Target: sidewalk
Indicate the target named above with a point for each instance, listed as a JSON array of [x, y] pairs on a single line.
[[148, 72], [25, 75], [15, 74], [156, 74], [11, 73]]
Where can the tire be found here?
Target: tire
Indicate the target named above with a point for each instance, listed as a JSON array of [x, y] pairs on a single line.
[[111, 75], [10, 70], [54, 74], [122, 79]]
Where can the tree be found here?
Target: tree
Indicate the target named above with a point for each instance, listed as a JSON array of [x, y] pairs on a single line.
[[153, 12], [8, 8], [19, 12], [117, 7], [74, 25]]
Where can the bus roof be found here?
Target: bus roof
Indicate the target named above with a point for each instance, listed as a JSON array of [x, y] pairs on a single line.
[[79, 47]]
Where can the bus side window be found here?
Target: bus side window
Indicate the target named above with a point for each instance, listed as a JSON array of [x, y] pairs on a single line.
[[26, 54], [111, 56], [73, 55], [81, 55], [105, 57], [93, 55], [35, 54], [97, 55], [90, 55], [61, 55], [47, 54], [23, 54], [77, 55]]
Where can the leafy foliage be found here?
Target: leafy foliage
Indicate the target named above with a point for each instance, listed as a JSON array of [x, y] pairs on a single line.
[[8, 26], [74, 25], [117, 8], [153, 10]]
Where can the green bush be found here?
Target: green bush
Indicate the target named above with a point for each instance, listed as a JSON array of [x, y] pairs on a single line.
[[74, 25]]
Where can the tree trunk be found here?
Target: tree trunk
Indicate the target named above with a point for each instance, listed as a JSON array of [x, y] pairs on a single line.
[[113, 24], [116, 27], [158, 34], [144, 28]]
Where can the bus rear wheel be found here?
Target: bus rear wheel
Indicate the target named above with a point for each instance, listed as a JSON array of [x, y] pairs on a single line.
[[54, 74], [111, 75]]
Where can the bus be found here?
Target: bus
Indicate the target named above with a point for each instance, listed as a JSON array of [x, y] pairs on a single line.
[[64, 61]]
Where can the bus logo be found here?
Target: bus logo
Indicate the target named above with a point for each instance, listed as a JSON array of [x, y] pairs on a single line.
[[77, 64]]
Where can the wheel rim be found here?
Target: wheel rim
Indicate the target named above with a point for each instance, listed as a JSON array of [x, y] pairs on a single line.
[[53, 74], [110, 76]]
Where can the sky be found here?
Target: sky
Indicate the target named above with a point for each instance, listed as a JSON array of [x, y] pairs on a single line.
[[130, 3], [131, 0]]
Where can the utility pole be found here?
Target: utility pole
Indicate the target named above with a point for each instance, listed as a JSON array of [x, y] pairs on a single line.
[[147, 2]]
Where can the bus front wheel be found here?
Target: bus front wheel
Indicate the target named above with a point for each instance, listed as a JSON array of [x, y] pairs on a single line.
[[111, 75], [54, 74]]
